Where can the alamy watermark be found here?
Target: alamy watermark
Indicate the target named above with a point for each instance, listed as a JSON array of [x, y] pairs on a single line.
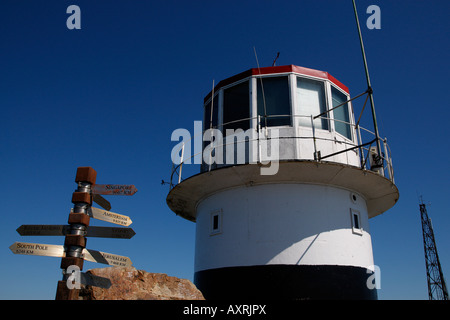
[[374, 280], [374, 21], [263, 147], [74, 279], [74, 20]]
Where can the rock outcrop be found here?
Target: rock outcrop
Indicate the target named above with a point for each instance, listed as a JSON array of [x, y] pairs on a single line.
[[132, 284]]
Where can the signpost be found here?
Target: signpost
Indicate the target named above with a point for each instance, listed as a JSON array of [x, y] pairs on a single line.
[[37, 249], [92, 280], [106, 258], [42, 230], [53, 250], [110, 232], [62, 230], [108, 216], [102, 202], [114, 189], [74, 251]]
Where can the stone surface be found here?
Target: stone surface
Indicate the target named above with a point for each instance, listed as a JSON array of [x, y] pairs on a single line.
[[128, 283]]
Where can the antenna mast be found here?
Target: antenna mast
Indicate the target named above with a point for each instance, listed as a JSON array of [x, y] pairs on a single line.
[[437, 289], [369, 90]]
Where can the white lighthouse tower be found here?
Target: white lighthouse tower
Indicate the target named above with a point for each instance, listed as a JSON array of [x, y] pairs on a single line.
[[288, 183]]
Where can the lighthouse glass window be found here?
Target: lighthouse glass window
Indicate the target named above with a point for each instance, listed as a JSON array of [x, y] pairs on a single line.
[[274, 105], [341, 114], [356, 221], [311, 102], [216, 222], [236, 107]]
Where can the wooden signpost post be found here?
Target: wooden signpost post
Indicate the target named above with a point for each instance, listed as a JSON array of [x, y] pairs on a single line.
[[74, 252]]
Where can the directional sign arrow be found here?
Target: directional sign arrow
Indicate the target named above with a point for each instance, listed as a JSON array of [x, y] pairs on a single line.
[[110, 232], [108, 216], [36, 249], [92, 280], [114, 189], [51, 250], [61, 230], [102, 202], [42, 230], [106, 258]]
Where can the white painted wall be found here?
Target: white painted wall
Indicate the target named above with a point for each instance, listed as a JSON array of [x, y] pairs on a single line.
[[293, 144], [282, 224]]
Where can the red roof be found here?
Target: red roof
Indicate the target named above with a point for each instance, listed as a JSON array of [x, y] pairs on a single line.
[[279, 69]]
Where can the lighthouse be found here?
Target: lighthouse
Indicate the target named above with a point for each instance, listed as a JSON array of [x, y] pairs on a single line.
[[287, 185]]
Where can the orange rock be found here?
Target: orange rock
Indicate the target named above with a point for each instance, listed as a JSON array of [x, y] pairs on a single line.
[[128, 283]]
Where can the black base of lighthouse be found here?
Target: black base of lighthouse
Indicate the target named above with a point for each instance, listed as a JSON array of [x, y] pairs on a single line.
[[286, 282]]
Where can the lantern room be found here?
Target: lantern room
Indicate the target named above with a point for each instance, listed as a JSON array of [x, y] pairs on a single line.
[[309, 109]]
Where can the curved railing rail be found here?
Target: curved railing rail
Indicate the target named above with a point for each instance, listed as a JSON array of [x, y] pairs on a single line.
[[364, 143]]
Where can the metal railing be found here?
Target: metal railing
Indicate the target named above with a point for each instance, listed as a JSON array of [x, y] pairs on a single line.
[[364, 145]]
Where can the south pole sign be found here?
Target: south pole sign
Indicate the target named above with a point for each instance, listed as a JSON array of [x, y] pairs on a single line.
[[37, 249], [74, 252], [57, 251]]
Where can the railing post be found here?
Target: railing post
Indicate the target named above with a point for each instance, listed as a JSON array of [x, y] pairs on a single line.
[[171, 177], [259, 143], [181, 162], [210, 153], [388, 161], [316, 154], [361, 151]]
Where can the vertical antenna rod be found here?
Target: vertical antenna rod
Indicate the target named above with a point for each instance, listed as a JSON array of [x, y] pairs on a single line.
[[262, 89], [212, 106], [369, 86]]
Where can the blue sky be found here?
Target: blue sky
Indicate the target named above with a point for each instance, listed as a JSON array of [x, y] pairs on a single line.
[[110, 95]]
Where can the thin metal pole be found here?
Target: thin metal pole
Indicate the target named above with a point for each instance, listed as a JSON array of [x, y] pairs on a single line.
[[259, 142], [340, 105], [212, 106], [364, 106], [361, 152], [388, 159], [262, 90], [181, 163], [368, 85], [316, 156], [171, 176]]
